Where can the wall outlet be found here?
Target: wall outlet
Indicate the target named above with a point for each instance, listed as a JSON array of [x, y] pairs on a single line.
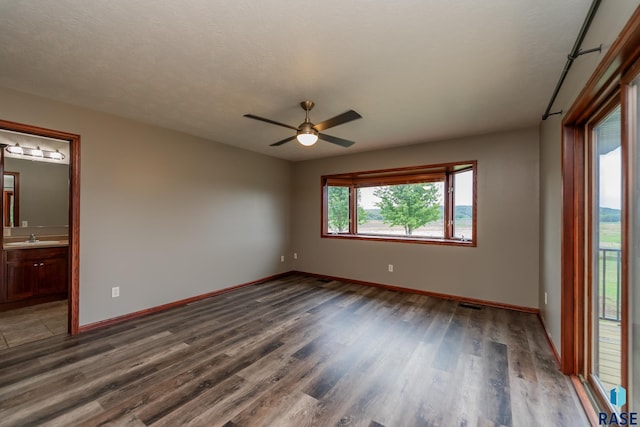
[[115, 292], [295, 255], [281, 258], [545, 298], [390, 268]]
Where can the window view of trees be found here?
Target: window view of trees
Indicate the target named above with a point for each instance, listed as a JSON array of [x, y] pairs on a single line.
[[423, 203], [338, 209], [405, 209], [338, 214]]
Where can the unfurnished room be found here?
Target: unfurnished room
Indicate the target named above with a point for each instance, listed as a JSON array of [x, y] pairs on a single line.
[[379, 214]]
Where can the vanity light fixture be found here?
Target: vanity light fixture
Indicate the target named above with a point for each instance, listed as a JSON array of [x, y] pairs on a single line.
[[15, 149], [34, 152], [56, 155], [37, 152]]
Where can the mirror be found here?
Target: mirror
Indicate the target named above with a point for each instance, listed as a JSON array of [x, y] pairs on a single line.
[[10, 199], [36, 189]]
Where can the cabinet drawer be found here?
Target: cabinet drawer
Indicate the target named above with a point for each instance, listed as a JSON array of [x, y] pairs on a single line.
[[36, 254]]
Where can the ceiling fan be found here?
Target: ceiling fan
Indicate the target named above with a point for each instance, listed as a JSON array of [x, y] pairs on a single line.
[[307, 133]]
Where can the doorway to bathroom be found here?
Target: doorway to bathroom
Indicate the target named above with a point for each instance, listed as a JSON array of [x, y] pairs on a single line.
[[40, 241]]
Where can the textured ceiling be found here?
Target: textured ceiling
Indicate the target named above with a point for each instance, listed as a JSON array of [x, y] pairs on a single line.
[[416, 70]]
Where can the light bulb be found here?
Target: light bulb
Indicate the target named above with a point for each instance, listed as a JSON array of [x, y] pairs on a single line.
[[307, 139], [37, 152], [56, 155], [15, 149]]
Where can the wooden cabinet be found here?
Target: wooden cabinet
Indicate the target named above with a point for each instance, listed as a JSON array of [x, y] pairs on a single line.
[[32, 273]]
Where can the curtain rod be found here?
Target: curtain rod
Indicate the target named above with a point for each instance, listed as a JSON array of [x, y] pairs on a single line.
[[575, 52]]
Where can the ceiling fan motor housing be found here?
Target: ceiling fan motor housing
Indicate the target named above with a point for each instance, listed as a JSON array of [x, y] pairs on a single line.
[[307, 127]]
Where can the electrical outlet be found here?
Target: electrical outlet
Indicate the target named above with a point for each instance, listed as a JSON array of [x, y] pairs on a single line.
[[295, 255], [115, 292], [545, 298], [281, 258], [390, 268]]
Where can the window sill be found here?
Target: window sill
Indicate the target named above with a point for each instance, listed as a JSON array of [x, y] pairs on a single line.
[[401, 239]]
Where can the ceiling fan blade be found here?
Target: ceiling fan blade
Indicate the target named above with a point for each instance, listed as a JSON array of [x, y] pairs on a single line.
[[283, 141], [273, 122], [337, 120], [335, 140]]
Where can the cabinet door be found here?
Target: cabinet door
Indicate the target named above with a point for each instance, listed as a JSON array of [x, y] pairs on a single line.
[[22, 280], [52, 276]]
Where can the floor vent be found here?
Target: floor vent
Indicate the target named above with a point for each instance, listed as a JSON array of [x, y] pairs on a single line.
[[469, 305]]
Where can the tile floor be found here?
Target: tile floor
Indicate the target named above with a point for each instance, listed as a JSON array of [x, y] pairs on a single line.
[[33, 323]]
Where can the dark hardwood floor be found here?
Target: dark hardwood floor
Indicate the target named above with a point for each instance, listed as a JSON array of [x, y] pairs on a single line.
[[297, 351]]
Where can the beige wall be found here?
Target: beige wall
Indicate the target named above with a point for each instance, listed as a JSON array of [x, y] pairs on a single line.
[[502, 268], [163, 215], [609, 20]]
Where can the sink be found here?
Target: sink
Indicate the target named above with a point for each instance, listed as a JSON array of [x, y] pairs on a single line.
[[36, 243]]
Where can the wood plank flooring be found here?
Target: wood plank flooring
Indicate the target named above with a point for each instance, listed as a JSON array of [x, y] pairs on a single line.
[[296, 351]]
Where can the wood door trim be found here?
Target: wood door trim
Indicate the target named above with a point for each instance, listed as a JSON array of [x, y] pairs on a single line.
[[74, 210], [602, 85]]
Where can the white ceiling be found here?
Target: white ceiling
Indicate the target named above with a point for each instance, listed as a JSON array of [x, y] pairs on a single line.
[[416, 70]]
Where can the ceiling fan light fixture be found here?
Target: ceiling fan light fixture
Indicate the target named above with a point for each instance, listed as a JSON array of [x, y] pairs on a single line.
[[307, 138], [307, 133]]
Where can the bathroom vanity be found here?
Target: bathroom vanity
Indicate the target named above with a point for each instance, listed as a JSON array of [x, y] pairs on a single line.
[[35, 247], [34, 272]]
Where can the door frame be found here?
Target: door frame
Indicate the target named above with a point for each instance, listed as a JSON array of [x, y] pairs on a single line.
[[74, 211], [609, 79]]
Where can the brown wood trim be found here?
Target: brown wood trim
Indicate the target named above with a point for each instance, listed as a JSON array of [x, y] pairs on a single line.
[[163, 307], [439, 167], [572, 313], [383, 238], [421, 292], [74, 237], [556, 356], [584, 400], [74, 211]]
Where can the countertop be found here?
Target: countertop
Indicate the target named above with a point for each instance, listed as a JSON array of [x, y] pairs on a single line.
[[42, 242]]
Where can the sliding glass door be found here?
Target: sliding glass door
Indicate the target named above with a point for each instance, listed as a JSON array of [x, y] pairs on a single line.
[[605, 290]]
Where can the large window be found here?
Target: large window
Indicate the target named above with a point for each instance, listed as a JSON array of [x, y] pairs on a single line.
[[424, 204]]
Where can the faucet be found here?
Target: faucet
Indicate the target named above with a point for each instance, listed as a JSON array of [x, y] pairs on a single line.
[[32, 238]]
